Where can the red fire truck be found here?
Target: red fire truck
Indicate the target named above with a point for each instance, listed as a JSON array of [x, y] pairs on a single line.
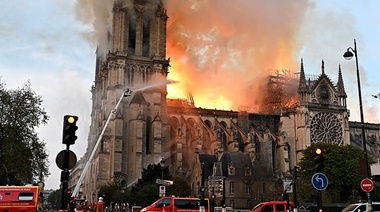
[[20, 198]]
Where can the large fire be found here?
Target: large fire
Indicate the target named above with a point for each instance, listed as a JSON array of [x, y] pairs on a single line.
[[222, 52]]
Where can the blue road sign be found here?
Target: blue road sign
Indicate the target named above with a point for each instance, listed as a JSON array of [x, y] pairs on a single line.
[[319, 181]]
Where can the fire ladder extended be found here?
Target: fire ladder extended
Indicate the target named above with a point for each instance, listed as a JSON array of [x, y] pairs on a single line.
[[126, 93]]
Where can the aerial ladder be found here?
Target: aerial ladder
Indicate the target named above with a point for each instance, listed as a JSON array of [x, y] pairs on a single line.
[[126, 93]]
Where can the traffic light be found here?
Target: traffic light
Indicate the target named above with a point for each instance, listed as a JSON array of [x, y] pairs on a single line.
[[68, 194], [295, 171], [319, 159], [69, 129]]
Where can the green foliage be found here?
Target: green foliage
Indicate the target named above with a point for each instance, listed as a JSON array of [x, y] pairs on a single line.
[[145, 191], [110, 192], [342, 168], [55, 198], [179, 188], [20, 114], [147, 195], [149, 175]]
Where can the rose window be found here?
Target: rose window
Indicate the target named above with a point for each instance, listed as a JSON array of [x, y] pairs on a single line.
[[326, 127]]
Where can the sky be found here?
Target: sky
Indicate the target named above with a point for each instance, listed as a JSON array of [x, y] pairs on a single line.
[[50, 44]]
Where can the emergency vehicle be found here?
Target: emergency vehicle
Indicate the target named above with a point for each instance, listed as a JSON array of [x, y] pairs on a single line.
[[177, 204], [20, 198]]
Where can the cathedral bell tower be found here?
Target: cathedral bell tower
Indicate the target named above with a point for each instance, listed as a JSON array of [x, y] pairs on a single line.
[[137, 132], [322, 113]]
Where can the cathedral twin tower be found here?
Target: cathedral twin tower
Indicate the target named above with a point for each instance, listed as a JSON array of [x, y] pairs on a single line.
[[137, 132], [147, 126]]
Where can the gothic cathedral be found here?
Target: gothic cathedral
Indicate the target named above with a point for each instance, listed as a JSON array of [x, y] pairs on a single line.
[[134, 130], [138, 127]]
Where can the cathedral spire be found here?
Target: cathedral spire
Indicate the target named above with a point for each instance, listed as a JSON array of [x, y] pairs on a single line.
[[302, 82], [323, 67], [340, 85]]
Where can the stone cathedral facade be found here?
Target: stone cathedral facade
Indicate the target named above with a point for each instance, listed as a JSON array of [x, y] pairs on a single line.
[[145, 127], [135, 134]]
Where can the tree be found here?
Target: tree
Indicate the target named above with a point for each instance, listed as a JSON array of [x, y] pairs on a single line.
[[145, 191], [55, 198], [146, 195], [112, 192], [149, 176], [179, 188], [20, 114], [342, 168]]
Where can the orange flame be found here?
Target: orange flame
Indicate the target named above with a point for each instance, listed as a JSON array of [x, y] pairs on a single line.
[[222, 53]]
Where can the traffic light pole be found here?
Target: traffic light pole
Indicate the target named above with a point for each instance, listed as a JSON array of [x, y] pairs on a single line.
[[224, 193], [202, 193], [126, 93], [65, 186], [65, 179], [319, 200], [295, 187], [319, 165]]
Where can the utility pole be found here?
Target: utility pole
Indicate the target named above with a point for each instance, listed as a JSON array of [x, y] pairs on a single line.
[[202, 190], [295, 187], [66, 157]]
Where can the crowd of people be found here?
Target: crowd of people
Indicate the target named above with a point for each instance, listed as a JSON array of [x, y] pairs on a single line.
[[99, 206]]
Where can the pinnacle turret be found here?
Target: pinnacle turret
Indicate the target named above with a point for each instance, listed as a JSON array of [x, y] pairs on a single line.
[[340, 85], [302, 81]]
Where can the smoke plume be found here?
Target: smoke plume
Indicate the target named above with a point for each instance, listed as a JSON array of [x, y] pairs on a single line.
[[221, 51]]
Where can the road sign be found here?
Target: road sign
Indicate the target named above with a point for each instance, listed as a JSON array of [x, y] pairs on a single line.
[[367, 185], [164, 182], [319, 181], [162, 191], [71, 160], [41, 184], [288, 186]]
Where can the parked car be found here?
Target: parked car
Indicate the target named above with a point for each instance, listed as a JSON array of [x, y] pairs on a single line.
[[362, 207], [273, 206], [174, 204]]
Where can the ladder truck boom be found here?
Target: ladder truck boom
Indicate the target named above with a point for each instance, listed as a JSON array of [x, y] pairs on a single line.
[[126, 93]]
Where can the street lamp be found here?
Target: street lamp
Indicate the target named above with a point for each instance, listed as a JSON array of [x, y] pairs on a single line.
[[162, 164], [348, 55]]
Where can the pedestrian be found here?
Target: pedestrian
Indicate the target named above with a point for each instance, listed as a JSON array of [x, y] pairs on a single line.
[[127, 207], [100, 205], [85, 206], [72, 204]]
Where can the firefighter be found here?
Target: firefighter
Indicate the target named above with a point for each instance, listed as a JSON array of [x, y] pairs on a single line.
[[100, 206]]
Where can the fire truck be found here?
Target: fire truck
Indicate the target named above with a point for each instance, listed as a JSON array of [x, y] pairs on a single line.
[[20, 198]]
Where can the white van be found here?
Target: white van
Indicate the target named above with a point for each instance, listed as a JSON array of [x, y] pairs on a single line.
[[361, 207]]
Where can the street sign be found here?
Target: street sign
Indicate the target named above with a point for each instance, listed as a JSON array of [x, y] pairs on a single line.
[[367, 185], [41, 184], [319, 181], [70, 161], [162, 191], [164, 182], [288, 186]]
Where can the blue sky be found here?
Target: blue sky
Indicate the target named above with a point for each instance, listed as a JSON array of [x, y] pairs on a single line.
[[43, 42]]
